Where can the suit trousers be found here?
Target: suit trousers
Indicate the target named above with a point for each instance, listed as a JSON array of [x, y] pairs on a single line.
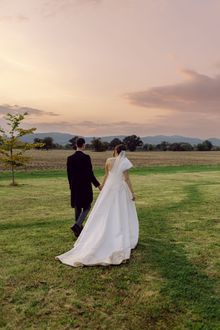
[[81, 213]]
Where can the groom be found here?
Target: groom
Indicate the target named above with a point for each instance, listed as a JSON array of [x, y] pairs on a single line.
[[81, 178]]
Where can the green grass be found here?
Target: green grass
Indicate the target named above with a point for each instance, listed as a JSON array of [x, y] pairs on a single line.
[[171, 281], [99, 171]]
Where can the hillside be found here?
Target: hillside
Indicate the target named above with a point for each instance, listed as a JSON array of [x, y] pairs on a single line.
[[63, 138]]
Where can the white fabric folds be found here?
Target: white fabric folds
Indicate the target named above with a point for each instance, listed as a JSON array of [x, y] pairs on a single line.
[[111, 231]]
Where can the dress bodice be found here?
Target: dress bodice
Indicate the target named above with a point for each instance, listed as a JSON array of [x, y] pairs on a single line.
[[117, 169]]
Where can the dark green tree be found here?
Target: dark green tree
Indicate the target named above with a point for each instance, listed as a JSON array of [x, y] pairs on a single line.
[[180, 146], [48, 143], [163, 146], [105, 146], [72, 142], [151, 147], [38, 142], [98, 145], [146, 147], [132, 142], [205, 146], [114, 143]]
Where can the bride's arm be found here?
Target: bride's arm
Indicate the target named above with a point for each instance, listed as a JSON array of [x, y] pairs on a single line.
[[106, 173], [128, 181]]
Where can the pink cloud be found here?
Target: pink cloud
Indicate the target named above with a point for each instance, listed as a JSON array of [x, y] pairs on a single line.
[[197, 93], [6, 108], [184, 125], [53, 7], [17, 18]]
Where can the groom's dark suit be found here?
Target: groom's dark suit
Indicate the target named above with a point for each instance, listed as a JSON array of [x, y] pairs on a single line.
[[81, 178]]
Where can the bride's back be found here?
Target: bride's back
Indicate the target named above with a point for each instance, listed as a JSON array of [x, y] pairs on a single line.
[[110, 163]]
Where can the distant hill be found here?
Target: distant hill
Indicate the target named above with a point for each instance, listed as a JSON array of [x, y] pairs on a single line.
[[215, 142], [63, 138], [171, 139]]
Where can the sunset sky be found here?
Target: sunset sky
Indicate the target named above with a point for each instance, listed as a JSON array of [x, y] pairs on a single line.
[[110, 67]]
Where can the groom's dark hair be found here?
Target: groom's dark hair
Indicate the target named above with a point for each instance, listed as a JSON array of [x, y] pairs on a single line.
[[80, 142]]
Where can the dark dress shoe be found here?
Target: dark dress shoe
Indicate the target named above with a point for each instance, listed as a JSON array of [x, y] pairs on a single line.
[[77, 229]]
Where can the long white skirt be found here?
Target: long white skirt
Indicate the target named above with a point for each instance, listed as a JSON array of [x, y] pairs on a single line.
[[110, 233]]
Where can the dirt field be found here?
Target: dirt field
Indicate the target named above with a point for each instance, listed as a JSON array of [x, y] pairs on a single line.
[[56, 159]]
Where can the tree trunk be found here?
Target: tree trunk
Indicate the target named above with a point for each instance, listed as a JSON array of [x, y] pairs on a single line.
[[13, 175], [12, 168]]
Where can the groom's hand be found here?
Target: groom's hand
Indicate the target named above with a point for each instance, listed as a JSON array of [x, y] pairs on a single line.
[[100, 187]]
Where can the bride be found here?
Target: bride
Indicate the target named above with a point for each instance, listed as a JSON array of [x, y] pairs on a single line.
[[111, 230]]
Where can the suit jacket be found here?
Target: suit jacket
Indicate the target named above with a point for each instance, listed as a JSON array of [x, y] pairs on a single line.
[[81, 178]]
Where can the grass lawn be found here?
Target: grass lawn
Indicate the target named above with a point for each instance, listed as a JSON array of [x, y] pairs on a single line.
[[172, 280]]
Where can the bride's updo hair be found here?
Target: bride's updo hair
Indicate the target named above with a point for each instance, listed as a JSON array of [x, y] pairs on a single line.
[[118, 149]]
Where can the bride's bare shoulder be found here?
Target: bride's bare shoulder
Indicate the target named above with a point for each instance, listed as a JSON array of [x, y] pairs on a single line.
[[110, 160]]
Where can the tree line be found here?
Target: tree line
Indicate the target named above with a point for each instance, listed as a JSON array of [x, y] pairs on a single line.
[[132, 142], [12, 148]]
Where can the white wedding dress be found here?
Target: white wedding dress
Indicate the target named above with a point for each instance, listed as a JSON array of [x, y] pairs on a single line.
[[111, 230]]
